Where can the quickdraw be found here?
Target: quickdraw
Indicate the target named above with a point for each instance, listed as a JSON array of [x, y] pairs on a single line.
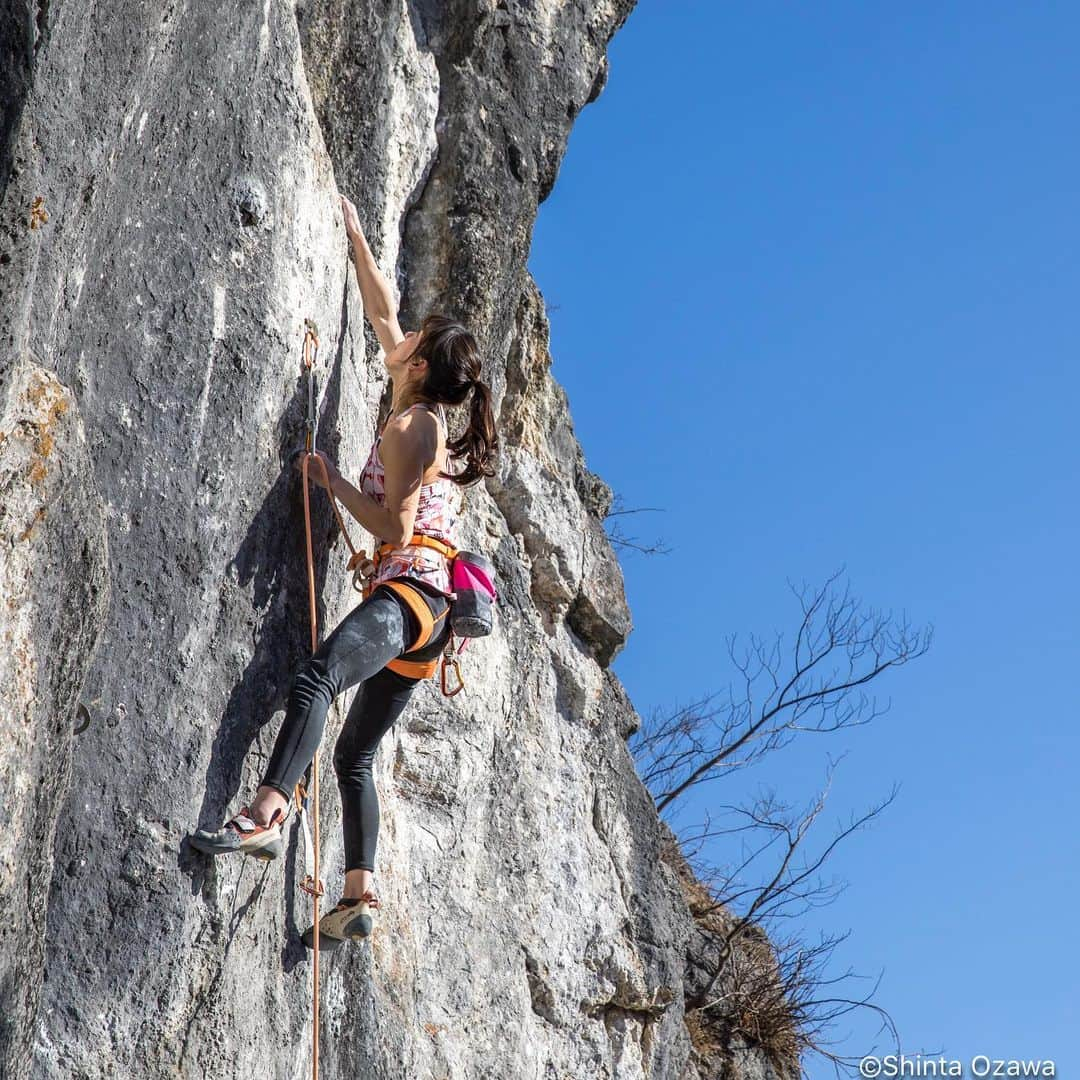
[[310, 884]]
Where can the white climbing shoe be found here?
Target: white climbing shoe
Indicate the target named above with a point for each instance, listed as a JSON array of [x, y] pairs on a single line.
[[350, 920], [245, 835]]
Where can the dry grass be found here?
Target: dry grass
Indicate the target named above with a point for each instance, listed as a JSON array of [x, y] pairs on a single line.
[[752, 1004]]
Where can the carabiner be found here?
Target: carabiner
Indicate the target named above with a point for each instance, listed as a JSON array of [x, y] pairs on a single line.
[[447, 661]]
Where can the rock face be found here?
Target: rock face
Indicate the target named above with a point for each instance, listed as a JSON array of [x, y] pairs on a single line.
[[188, 158], [54, 589]]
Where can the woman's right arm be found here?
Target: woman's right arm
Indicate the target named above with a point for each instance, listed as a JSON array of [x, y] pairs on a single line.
[[375, 291]]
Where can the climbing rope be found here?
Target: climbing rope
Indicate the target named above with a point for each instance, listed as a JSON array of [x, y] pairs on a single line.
[[311, 883]]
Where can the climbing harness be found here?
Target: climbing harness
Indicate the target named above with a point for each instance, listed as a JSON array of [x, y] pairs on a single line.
[[472, 578], [416, 669], [420, 668]]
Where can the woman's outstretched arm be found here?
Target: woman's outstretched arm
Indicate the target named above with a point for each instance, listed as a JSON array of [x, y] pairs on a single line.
[[379, 304]]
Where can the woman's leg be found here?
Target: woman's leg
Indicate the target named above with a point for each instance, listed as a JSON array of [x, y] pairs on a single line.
[[378, 703], [373, 633]]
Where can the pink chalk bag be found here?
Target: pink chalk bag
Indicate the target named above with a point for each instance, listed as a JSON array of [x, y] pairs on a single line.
[[472, 578]]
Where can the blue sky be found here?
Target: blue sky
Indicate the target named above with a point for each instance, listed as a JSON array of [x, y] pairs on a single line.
[[812, 273]]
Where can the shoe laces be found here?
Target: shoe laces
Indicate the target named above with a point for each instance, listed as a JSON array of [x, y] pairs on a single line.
[[368, 898], [244, 823]]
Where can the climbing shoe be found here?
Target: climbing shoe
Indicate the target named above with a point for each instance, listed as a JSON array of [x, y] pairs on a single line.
[[350, 920], [245, 835]]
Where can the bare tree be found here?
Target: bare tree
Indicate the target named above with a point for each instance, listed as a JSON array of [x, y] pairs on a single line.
[[837, 650], [789, 1005]]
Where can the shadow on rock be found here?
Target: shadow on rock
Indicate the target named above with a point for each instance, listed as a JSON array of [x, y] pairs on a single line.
[[271, 560]]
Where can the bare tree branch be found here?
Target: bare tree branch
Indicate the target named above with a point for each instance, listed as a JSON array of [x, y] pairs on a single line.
[[789, 883], [618, 539], [699, 742]]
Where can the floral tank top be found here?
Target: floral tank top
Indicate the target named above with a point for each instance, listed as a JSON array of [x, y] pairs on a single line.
[[436, 516]]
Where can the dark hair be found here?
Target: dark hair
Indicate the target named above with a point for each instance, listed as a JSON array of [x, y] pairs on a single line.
[[453, 373]]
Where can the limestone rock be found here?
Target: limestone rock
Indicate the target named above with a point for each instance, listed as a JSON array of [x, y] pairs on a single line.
[[54, 590]]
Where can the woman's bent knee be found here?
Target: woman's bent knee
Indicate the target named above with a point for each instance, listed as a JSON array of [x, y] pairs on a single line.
[[352, 768], [312, 680]]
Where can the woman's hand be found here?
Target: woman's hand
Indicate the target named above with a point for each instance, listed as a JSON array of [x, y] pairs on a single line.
[[323, 472], [363, 569], [352, 219]]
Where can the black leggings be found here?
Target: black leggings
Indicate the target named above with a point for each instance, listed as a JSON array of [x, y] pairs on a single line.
[[373, 633]]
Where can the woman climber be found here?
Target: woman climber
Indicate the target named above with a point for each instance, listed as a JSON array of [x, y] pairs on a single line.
[[405, 490]]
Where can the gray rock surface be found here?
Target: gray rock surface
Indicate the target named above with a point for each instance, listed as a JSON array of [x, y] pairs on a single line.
[[189, 157], [54, 587]]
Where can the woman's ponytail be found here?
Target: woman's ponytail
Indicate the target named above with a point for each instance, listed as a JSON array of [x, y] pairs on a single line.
[[453, 373], [479, 442]]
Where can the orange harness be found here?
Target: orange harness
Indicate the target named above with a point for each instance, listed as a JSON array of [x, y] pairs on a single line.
[[421, 669]]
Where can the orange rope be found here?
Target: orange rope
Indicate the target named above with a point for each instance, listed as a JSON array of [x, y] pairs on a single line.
[[355, 556], [315, 887]]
